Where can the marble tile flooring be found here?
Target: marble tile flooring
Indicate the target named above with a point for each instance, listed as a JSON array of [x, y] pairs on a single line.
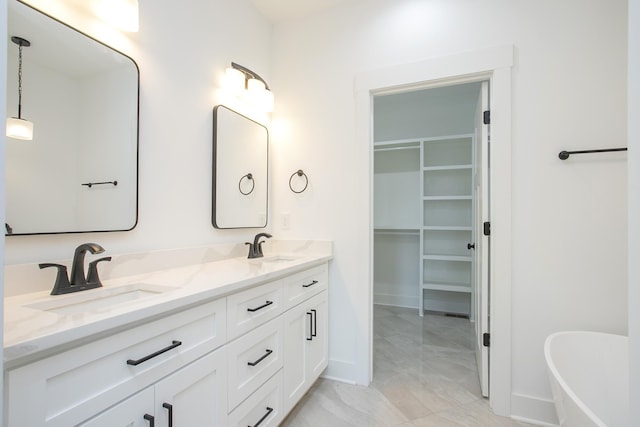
[[424, 376]]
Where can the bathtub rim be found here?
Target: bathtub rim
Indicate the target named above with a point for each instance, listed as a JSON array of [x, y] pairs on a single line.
[[556, 375]]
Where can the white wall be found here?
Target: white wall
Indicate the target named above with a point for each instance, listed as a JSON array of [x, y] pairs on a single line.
[[182, 50], [3, 112], [634, 204], [569, 253]]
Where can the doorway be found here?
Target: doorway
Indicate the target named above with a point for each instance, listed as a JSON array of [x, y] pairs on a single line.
[[430, 198]]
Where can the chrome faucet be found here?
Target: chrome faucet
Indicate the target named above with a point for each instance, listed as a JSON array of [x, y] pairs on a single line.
[[255, 248], [78, 281]]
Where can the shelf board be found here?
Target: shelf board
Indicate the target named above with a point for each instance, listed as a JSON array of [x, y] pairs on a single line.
[[433, 257], [446, 168], [446, 228], [448, 287], [436, 198], [413, 231]]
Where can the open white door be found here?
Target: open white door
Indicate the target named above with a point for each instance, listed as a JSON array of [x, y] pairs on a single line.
[[481, 198]]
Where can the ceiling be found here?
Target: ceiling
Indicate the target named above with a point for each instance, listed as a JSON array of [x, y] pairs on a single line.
[[283, 10]]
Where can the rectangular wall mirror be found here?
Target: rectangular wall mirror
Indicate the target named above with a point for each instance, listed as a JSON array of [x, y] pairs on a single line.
[[80, 171], [240, 170]]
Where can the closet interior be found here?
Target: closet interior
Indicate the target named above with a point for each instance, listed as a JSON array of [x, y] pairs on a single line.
[[424, 207]]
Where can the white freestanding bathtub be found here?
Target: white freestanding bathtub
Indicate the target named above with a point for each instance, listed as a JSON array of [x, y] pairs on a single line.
[[589, 374]]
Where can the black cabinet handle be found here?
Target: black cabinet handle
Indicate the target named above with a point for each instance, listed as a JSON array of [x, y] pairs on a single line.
[[310, 284], [261, 358], [471, 246], [169, 408], [310, 337], [150, 419], [173, 345], [314, 328], [264, 417], [266, 304]]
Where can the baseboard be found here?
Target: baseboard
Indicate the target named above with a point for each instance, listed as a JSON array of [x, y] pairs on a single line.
[[396, 300], [339, 370], [533, 410]]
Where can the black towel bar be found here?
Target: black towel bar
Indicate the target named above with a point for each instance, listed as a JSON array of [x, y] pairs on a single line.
[[564, 155]]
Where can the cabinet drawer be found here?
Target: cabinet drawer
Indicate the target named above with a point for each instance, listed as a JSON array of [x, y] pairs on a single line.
[[73, 385], [252, 359], [253, 307], [304, 285], [264, 407]]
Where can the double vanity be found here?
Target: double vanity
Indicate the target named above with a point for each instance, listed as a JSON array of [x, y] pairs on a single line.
[[233, 342]]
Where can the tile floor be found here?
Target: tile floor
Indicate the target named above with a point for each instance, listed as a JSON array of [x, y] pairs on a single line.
[[424, 376]]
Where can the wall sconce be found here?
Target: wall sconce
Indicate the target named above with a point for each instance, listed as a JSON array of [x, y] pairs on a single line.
[[243, 82], [17, 127], [123, 14]]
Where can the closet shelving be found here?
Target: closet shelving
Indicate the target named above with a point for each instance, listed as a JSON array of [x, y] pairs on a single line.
[[424, 188], [447, 165], [397, 169]]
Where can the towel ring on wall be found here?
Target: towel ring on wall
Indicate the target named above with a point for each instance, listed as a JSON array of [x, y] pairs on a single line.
[[249, 176], [299, 172]]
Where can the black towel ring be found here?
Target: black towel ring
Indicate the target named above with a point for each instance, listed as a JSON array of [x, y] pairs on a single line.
[[249, 176], [299, 172]]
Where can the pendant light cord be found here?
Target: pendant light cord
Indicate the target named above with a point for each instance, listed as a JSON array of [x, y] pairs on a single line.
[[20, 80]]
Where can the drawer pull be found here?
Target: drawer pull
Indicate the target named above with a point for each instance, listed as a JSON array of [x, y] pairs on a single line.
[[169, 408], [310, 284], [264, 417], [310, 337], [314, 329], [261, 358], [151, 420], [173, 345], [266, 304]]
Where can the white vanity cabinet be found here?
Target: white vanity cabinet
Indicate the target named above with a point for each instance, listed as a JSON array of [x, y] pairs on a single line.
[[70, 387], [244, 358], [194, 395]]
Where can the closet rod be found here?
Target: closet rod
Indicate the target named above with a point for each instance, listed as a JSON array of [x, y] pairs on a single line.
[[396, 148], [564, 155]]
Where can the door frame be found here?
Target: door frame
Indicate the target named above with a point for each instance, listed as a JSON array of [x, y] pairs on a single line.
[[492, 64]]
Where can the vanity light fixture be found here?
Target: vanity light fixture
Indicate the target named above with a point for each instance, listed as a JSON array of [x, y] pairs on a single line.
[[17, 127], [240, 81]]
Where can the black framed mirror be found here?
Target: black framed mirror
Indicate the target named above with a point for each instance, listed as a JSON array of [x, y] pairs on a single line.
[[80, 172], [240, 171]]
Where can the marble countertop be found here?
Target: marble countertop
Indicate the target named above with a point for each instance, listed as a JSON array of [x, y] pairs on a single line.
[[32, 333]]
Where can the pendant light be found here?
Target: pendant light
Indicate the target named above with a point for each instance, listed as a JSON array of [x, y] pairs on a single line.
[[17, 127]]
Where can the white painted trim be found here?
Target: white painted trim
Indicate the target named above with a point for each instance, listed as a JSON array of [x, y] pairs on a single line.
[[494, 64], [339, 370], [533, 410], [404, 301]]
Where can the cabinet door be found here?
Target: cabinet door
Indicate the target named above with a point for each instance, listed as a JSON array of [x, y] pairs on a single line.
[[129, 413], [195, 395], [317, 348], [305, 347], [296, 324]]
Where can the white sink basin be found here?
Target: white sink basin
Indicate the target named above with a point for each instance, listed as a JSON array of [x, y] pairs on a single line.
[[98, 299], [275, 259]]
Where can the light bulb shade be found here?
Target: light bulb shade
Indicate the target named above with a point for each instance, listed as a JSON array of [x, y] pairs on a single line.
[[123, 14], [268, 101], [255, 86], [19, 128], [234, 81]]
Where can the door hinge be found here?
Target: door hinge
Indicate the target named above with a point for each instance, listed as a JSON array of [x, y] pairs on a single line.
[[486, 117], [486, 338], [486, 228]]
